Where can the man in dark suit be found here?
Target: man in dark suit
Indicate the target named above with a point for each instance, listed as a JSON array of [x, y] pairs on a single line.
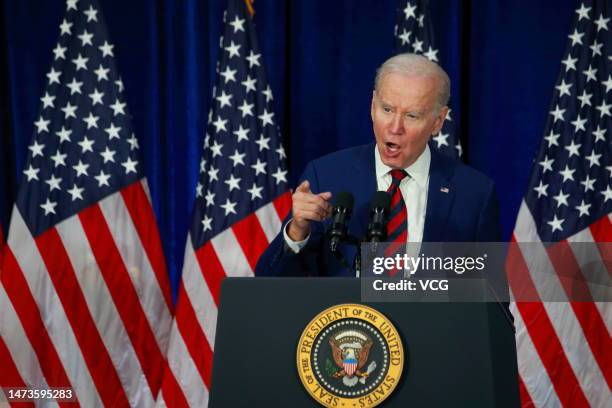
[[441, 198]]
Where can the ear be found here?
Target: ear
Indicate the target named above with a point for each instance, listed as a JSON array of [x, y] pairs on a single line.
[[372, 104], [440, 120]]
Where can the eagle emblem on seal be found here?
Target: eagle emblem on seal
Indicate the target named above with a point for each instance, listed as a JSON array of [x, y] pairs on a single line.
[[350, 350]]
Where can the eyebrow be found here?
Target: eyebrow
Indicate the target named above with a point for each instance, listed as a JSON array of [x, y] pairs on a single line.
[[385, 103]]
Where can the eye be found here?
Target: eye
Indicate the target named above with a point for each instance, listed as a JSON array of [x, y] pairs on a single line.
[[412, 115], [387, 109]]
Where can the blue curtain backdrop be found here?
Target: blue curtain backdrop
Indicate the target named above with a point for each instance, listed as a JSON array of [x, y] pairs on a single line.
[[503, 58]]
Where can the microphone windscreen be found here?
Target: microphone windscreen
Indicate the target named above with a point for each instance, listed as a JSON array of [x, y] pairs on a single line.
[[344, 199], [381, 200]]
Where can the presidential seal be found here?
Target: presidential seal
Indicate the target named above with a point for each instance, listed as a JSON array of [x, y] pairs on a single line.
[[350, 356]]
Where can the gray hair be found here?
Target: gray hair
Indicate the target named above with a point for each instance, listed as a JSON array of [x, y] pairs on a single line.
[[414, 64]]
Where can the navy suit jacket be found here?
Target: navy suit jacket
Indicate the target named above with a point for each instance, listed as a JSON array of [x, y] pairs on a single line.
[[461, 207]]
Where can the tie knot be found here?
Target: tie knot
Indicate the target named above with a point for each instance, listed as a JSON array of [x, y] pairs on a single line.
[[398, 175]]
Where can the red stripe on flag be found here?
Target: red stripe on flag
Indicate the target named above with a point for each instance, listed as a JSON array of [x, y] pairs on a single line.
[[1, 246], [211, 268], [251, 238], [551, 353], [18, 291], [143, 217], [171, 390], [597, 336], [568, 271], [9, 375], [526, 401], [519, 279], [396, 221], [173, 395], [124, 295], [546, 342], [593, 326], [69, 292], [282, 204], [193, 336], [601, 230]]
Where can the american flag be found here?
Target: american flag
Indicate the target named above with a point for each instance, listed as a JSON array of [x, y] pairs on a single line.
[[414, 33], [85, 299], [241, 198], [9, 376], [564, 348]]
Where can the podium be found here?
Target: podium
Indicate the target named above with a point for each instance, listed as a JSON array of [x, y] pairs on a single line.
[[456, 354]]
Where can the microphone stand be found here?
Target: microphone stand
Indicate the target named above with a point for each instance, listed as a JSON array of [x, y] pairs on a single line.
[[356, 242], [357, 260]]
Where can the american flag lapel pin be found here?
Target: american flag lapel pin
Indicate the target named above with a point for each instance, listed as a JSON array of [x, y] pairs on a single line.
[[444, 189]]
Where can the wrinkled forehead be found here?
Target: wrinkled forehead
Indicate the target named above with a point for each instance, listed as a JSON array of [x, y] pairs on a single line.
[[408, 91], [426, 79]]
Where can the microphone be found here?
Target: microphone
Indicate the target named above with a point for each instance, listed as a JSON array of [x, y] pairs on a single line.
[[379, 213], [341, 214]]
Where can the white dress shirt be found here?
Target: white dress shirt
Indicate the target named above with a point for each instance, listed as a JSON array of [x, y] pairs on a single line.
[[414, 190]]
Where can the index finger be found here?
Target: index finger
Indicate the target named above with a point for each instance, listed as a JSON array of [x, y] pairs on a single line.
[[304, 187]]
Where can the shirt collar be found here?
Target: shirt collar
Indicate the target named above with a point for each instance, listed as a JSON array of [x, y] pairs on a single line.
[[419, 170]]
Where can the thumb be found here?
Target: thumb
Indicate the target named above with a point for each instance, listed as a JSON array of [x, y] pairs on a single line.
[[326, 195], [304, 187]]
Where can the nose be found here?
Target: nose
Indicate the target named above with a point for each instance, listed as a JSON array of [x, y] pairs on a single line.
[[396, 125]]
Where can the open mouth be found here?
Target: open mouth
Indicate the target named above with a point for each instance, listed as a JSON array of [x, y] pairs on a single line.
[[392, 149]]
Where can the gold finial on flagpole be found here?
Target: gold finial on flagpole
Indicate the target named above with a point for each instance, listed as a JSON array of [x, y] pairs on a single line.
[[249, 4]]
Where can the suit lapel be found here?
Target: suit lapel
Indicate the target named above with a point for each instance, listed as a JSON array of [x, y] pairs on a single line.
[[364, 181], [439, 197]]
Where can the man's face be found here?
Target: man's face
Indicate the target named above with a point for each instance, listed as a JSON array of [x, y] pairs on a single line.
[[404, 117]]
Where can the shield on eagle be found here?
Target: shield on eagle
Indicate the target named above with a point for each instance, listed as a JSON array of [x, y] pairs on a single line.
[[350, 349]]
